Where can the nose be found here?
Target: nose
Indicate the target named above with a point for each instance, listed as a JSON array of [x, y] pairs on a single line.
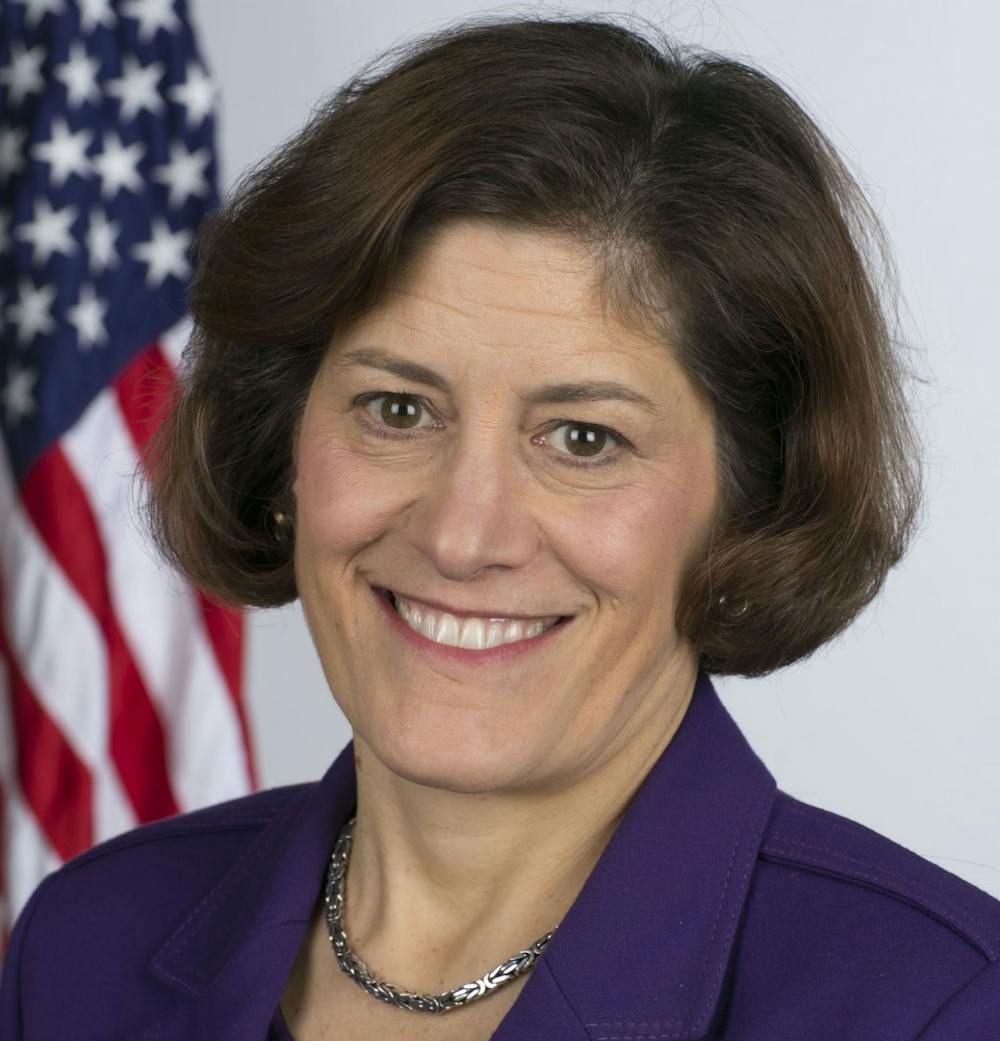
[[475, 511]]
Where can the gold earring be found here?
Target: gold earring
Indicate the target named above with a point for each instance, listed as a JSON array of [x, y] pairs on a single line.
[[282, 526]]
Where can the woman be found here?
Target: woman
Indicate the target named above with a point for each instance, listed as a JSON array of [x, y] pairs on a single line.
[[548, 367]]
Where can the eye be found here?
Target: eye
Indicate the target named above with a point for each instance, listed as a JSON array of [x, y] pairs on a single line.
[[397, 411], [586, 443]]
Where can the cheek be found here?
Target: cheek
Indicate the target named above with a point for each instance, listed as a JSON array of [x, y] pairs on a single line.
[[641, 540], [341, 498]]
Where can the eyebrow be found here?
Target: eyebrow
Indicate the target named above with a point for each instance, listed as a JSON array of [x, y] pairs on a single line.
[[585, 390]]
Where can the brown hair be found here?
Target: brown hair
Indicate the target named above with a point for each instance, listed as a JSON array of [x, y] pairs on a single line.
[[721, 219]]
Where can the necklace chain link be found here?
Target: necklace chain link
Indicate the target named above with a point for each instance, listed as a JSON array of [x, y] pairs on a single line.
[[513, 967]]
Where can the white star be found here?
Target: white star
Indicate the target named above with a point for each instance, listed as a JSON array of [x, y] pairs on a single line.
[[163, 254], [17, 393], [151, 15], [11, 151], [87, 317], [101, 237], [65, 152], [196, 94], [32, 312], [136, 89], [116, 165], [37, 9], [22, 74], [49, 232], [184, 174], [94, 13], [79, 75]]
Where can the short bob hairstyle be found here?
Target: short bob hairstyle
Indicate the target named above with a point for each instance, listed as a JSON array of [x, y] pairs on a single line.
[[720, 220]]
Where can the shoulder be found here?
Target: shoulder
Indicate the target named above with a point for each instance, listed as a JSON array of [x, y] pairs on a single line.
[[197, 843], [811, 842], [146, 877], [852, 918]]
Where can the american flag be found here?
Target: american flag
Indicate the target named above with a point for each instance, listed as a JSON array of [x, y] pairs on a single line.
[[120, 685]]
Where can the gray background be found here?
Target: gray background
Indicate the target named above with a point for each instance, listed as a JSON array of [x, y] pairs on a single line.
[[897, 723]]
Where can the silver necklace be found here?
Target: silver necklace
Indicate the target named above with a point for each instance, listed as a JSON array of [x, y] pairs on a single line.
[[359, 972]]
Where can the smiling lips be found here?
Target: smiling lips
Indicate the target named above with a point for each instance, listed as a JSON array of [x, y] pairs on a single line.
[[468, 631]]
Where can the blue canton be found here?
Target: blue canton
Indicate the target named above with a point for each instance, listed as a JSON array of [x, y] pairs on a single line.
[[107, 164]]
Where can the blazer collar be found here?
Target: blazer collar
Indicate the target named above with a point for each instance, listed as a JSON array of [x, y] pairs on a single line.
[[642, 951]]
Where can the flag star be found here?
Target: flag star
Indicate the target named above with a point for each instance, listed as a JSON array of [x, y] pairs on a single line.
[[152, 15], [16, 397], [22, 73], [11, 151], [65, 152], [49, 232], [163, 254], [94, 13], [184, 174], [196, 94], [136, 88], [101, 237], [79, 75], [32, 312], [87, 317], [37, 9], [117, 165]]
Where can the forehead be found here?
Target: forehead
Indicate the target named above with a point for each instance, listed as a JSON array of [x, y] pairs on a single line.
[[517, 300]]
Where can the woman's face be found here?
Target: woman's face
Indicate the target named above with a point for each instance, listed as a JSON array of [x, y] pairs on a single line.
[[465, 484]]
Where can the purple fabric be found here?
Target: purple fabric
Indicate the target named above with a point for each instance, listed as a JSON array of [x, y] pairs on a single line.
[[721, 909]]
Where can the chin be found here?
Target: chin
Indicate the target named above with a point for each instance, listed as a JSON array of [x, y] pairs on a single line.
[[474, 761]]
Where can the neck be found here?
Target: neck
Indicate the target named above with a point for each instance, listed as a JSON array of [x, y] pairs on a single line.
[[443, 885]]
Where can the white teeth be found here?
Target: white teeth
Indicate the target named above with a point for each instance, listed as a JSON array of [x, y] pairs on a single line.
[[474, 633], [427, 625], [447, 630]]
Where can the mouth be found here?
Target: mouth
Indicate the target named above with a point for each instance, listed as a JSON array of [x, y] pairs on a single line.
[[482, 640]]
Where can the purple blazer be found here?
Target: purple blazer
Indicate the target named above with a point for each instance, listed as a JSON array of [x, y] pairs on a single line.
[[721, 908]]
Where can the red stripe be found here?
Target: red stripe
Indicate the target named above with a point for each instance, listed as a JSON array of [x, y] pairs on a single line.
[[146, 389], [224, 627], [54, 782], [57, 503]]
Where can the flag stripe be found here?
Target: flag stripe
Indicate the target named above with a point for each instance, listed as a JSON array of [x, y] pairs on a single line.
[[146, 388], [206, 752], [57, 505], [54, 642], [27, 854], [50, 632], [56, 783], [225, 628]]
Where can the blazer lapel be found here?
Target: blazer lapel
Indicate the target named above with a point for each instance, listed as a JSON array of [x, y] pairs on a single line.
[[643, 950], [230, 958]]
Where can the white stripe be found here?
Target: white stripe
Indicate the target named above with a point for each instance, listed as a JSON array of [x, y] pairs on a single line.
[[28, 857], [60, 651], [174, 340], [159, 616]]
